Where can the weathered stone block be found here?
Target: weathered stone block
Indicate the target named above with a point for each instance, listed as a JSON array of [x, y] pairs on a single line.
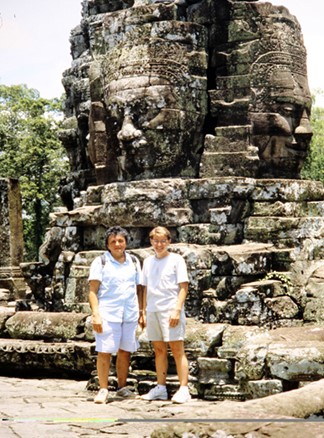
[[214, 371], [277, 228], [234, 338], [266, 288], [294, 362], [200, 234], [5, 314], [223, 392], [314, 310], [263, 388], [44, 325], [282, 307], [43, 357], [288, 190]]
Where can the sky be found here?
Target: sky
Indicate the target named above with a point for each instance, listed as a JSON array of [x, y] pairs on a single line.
[[34, 42], [35, 48]]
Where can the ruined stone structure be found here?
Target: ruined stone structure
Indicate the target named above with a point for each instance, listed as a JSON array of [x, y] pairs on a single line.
[[195, 115], [12, 284]]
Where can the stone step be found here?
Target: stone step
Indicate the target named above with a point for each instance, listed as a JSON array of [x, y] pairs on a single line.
[[219, 355], [287, 230], [141, 204], [288, 209], [215, 164], [272, 301], [245, 258], [223, 144], [211, 234], [64, 358], [275, 300]]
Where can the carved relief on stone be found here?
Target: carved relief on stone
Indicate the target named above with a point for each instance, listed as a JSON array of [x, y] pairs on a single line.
[[281, 100], [154, 104], [258, 67], [158, 89]]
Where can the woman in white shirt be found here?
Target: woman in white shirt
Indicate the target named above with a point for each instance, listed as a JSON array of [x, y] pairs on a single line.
[[114, 297], [165, 281]]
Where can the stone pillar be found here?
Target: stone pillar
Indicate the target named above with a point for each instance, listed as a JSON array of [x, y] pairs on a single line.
[[11, 239]]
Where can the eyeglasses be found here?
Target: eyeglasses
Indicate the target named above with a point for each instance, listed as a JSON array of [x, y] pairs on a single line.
[[162, 242]]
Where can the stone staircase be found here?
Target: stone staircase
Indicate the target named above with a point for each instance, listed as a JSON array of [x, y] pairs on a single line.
[[229, 153]]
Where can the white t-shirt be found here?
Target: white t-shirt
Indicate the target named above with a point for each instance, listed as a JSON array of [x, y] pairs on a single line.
[[117, 294], [162, 278]]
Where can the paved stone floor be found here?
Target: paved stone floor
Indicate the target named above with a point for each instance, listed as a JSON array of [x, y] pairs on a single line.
[[54, 408]]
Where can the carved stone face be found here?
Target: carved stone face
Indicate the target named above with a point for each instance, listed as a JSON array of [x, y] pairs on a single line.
[[148, 87], [283, 133], [280, 109], [155, 132], [155, 99]]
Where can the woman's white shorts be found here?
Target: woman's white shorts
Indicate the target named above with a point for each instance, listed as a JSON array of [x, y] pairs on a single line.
[[115, 336], [158, 327]]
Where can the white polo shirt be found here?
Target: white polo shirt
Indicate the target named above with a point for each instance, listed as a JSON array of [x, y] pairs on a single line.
[[117, 292]]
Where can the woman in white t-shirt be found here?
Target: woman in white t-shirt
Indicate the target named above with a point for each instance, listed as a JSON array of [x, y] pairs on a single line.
[[165, 281]]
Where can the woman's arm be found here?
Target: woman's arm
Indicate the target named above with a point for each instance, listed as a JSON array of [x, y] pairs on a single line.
[[94, 304], [175, 315], [142, 308]]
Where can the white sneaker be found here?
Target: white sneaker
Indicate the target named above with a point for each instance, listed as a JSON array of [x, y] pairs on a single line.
[[156, 393], [125, 393], [181, 396], [102, 396]]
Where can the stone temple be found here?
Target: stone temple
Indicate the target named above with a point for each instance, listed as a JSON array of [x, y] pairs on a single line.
[[192, 114]]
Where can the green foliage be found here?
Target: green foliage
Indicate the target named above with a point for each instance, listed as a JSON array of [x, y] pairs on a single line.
[[314, 166], [31, 152], [280, 276]]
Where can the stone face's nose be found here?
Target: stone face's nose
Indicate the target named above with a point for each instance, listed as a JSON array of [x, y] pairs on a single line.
[[128, 131], [304, 127]]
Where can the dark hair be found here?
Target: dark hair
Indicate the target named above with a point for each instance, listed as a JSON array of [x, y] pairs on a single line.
[[113, 231]]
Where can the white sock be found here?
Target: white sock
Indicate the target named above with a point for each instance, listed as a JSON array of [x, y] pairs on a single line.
[[184, 389], [161, 386]]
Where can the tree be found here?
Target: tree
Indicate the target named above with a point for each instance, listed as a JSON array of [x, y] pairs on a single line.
[[30, 151], [314, 166]]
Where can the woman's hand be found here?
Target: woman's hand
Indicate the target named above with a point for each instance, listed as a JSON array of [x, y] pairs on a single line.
[[142, 320], [174, 318], [97, 323]]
